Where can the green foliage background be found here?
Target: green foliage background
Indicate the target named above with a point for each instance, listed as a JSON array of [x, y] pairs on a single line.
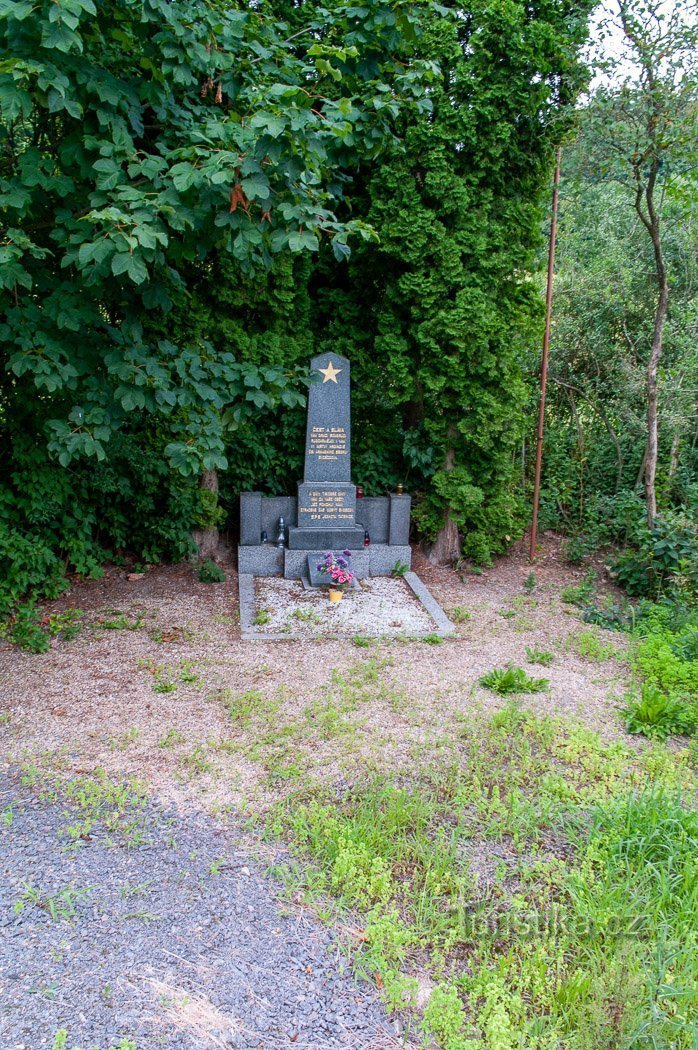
[[195, 199]]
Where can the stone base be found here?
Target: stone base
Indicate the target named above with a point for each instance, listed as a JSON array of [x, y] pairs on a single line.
[[387, 518], [249, 631], [264, 560], [386, 557], [351, 538]]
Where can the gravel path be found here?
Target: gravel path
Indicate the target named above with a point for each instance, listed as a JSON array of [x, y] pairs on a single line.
[[179, 943]]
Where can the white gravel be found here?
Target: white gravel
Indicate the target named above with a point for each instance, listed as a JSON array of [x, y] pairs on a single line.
[[383, 607]]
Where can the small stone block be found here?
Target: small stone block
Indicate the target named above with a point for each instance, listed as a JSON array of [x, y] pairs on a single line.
[[400, 507], [373, 512], [250, 518], [384, 558], [444, 627], [262, 560]]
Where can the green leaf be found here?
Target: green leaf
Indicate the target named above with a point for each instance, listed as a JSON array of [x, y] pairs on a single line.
[[57, 35], [256, 187], [120, 263], [306, 240], [17, 9]]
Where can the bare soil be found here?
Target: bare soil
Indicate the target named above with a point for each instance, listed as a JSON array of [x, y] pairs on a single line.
[[101, 700]]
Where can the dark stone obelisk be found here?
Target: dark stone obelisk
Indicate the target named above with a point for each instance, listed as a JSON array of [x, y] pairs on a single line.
[[326, 496]]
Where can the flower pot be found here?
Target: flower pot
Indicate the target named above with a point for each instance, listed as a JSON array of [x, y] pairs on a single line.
[[335, 596]]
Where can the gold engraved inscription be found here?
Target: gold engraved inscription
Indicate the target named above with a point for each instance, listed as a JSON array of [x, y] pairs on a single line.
[[328, 443], [327, 505]]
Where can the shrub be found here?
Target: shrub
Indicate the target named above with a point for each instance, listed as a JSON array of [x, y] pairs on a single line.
[[577, 548], [591, 647], [664, 648], [665, 559]]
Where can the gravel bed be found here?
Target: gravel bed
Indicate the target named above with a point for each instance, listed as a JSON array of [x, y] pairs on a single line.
[[382, 607], [179, 943]]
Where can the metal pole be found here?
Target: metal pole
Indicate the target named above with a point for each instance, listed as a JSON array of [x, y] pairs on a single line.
[[544, 359]]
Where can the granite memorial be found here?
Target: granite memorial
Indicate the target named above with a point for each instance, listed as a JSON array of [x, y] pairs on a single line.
[[326, 514]]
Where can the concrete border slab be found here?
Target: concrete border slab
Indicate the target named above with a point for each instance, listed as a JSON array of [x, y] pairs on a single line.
[[444, 627]]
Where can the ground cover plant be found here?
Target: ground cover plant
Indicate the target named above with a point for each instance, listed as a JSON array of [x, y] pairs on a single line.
[[542, 878], [507, 680]]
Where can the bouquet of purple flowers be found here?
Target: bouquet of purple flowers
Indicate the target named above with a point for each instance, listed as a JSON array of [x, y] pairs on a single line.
[[339, 575]]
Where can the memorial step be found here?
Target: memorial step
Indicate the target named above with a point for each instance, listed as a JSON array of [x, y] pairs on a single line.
[[313, 539]]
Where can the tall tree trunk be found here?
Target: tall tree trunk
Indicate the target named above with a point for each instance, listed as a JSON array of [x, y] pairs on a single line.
[[647, 212], [674, 457], [446, 547], [653, 385], [639, 480], [208, 539]]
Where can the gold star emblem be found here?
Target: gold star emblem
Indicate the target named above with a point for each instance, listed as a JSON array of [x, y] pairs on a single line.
[[330, 372]]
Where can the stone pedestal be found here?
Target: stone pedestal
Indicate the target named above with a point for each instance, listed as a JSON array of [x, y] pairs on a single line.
[[306, 539]]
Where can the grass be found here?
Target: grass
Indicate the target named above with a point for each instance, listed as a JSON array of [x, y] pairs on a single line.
[[97, 804], [62, 904], [509, 680], [124, 740], [590, 646], [306, 615], [115, 620], [209, 572], [540, 879], [534, 655], [167, 677], [543, 879], [172, 738], [60, 1042], [32, 631], [196, 762]]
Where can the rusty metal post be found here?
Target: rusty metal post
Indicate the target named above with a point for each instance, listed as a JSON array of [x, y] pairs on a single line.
[[544, 359]]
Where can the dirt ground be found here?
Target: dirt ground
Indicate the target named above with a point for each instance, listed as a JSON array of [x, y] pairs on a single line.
[[158, 684]]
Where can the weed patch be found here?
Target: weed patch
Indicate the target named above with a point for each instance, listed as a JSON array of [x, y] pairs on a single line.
[[534, 655], [113, 620], [542, 877], [31, 630], [658, 716], [590, 646], [62, 904], [95, 803], [507, 680], [209, 572]]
